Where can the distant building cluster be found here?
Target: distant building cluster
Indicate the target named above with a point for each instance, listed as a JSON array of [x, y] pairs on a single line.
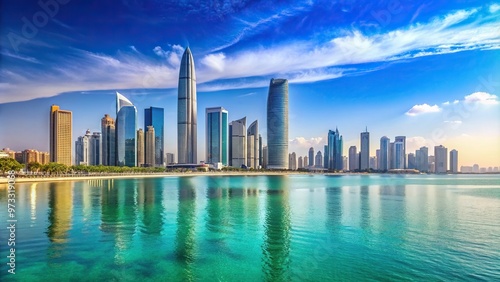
[[234, 144]]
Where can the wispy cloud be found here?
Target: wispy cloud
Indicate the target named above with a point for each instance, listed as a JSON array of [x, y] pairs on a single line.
[[20, 57], [422, 109], [494, 8], [299, 61]]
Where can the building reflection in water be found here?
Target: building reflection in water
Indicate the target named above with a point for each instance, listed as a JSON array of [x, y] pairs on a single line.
[[185, 248], [334, 208], [149, 201], [33, 203], [276, 246], [365, 209], [118, 215], [60, 216]]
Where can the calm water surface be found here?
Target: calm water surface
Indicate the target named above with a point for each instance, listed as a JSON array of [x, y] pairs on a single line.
[[275, 228]]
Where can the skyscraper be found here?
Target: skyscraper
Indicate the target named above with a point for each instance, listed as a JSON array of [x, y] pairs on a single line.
[[95, 157], [216, 136], [108, 141], [277, 124], [126, 124], [440, 159], [186, 111], [61, 135], [335, 144], [353, 160], [391, 155], [365, 151], [319, 160], [140, 147], [398, 155], [239, 142], [292, 161], [311, 157], [170, 158], [454, 161], [422, 159], [325, 157], [300, 163], [150, 146], [253, 145], [412, 161], [154, 117], [264, 156], [82, 149], [402, 139]]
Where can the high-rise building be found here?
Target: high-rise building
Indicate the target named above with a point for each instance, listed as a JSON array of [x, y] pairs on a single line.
[[344, 161], [422, 159], [261, 153], [82, 149], [264, 156], [60, 135], [150, 146], [454, 161], [95, 144], [300, 163], [154, 117], [402, 139], [277, 124], [170, 158], [140, 148], [292, 161], [126, 128], [187, 111], [325, 157], [392, 164], [440, 159], [373, 163], [365, 151], [319, 160], [353, 160], [239, 142], [399, 155], [216, 136], [311, 157], [253, 145], [108, 141], [335, 145], [44, 158], [306, 161], [412, 161]]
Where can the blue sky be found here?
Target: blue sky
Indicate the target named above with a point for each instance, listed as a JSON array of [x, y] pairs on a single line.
[[424, 69]]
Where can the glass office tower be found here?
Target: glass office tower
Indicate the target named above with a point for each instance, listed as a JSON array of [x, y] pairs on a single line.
[[216, 136], [277, 124], [126, 124]]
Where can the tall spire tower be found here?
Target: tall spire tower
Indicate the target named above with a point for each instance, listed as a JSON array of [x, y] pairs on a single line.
[[186, 111]]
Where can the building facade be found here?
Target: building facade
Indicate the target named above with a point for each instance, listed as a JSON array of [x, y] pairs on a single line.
[[277, 124], [150, 147], [239, 143], [440, 159], [364, 154], [61, 135], [335, 147], [353, 159], [126, 129], [217, 139], [187, 111], [140, 148], [311, 157], [154, 117], [454, 161], [253, 143], [108, 141]]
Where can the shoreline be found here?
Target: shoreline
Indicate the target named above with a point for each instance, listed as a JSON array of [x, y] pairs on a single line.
[[4, 180]]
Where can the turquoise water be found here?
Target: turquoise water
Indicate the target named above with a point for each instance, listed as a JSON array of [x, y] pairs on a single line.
[[273, 228]]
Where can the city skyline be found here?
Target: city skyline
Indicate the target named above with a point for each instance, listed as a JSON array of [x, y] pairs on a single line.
[[416, 72]]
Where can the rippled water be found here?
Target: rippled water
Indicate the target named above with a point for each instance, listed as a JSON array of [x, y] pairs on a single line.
[[274, 228]]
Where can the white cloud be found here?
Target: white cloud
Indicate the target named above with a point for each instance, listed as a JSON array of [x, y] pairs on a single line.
[[214, 61], [456, 102], [481, 98], [494, 8], [416, 142], [446, 103], [453, 122], [423, 109], [301, 143]]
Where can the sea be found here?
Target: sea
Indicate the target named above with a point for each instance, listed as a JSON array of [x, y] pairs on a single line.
[[372, 227]]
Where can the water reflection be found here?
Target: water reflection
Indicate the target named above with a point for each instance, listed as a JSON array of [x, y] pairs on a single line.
[[185, 248], [61, 207], [276, 247], [365, 209], [118, 215], [150, 203]]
